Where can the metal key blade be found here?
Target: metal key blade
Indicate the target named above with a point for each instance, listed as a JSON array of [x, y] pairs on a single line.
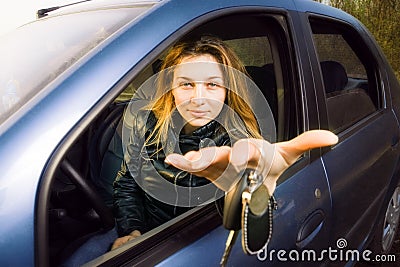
[[228, 247]]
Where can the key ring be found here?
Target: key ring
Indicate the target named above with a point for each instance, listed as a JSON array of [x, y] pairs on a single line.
[[254, 180]]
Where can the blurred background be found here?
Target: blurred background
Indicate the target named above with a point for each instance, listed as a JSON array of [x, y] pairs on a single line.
[[14, 13]]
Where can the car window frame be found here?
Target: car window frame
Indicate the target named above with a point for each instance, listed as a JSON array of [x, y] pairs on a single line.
[[371, 54], [42, 224]]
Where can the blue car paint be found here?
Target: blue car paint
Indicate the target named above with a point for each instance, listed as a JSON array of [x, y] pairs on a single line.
[[208, 250]]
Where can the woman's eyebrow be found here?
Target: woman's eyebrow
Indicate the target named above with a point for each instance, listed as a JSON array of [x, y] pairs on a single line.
[[208, 78], [183, 78], [214, 77]]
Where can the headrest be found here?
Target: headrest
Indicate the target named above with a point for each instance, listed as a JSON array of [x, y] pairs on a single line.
[[334, 75]]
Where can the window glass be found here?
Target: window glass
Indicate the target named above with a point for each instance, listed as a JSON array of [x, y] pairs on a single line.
[[348, 72], [253, 51], [256, 54], [56, 43], [332, 47]]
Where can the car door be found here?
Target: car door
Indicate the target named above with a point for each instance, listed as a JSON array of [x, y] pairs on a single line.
[[303, 196], [361, 165], [268, 45]]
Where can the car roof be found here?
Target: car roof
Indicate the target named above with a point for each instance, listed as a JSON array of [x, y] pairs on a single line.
[[90, 5]]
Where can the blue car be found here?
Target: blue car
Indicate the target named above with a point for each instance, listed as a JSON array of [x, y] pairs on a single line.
[[68, 77]]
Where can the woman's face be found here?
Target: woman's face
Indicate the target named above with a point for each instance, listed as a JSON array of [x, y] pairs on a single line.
[[198, 90]]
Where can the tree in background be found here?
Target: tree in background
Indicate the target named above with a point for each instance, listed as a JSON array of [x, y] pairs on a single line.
[[382, 19]]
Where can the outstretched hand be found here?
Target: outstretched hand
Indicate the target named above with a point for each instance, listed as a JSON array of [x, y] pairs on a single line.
[[223, 165]]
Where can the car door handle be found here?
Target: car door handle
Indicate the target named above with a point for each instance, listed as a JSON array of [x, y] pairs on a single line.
[[310, 228]]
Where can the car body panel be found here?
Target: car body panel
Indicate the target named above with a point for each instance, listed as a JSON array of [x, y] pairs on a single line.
[[373, 162], [287, 215]]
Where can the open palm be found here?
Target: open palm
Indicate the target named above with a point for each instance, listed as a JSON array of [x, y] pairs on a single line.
[[223, 165]]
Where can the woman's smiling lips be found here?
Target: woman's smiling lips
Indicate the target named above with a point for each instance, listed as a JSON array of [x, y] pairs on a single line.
[[198, 113]]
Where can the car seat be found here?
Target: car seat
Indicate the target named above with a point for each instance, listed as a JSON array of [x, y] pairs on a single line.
[[334, 76], [344, 106], [105, 153]]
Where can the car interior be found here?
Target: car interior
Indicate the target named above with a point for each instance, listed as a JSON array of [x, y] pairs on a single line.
[[346, 71], [346, 102], [80, 203]]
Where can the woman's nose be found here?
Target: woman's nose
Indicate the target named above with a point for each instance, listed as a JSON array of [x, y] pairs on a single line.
[[198, 94]]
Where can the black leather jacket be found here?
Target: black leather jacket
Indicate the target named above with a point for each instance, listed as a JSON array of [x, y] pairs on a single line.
[[135, 208]]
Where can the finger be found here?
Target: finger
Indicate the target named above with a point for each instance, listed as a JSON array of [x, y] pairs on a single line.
[[253, 153], [294, 148], [135, 233], [313, 139], [120, 241], [243, 152], [196, 161], [179, 161]]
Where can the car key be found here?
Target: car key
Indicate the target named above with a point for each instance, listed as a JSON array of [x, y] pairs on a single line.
[[233, 234], [249, 184]]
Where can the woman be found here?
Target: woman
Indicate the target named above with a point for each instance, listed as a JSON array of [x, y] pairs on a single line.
[[201, 98]]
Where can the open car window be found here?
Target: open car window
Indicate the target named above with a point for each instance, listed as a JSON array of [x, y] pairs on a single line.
[[81, 199]]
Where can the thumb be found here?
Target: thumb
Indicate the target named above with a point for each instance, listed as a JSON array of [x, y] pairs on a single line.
[[295, 147], [288, 152]]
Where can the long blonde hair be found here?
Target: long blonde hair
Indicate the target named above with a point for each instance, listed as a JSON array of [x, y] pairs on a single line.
[[163, 104]]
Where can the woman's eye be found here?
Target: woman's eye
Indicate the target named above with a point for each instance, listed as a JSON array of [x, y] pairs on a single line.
[[212, 85], [187, 85]]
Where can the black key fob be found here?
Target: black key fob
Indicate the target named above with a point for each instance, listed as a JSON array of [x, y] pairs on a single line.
[[233, 204]]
